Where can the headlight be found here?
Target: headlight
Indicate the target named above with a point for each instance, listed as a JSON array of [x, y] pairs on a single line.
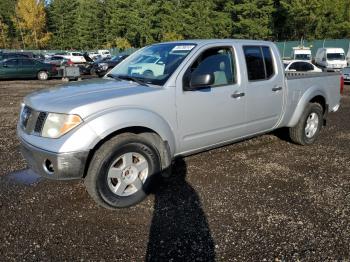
[[57, 125]]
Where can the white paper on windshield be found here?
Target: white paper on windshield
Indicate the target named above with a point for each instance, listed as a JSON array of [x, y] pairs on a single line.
[[183, 48]]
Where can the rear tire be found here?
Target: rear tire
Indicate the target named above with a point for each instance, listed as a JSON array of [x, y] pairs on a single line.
[[122, 170], [309, 126], [43, 75]]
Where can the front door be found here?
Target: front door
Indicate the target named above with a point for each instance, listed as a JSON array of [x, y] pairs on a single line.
[[9, 69], [215, 114]]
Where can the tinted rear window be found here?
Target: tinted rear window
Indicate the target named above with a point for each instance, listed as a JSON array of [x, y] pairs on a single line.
[[27, 62], [268, 61], [259, 62], [255, 62]]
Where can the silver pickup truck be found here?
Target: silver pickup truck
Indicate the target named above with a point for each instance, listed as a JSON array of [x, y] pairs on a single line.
[[164, 101]]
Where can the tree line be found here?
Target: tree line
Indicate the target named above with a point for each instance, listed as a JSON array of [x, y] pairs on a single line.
[[91, 24]]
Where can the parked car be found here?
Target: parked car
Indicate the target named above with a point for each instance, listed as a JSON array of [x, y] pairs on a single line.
[[26, 68], [301, 66], [150, 65], [301, 53], [348, 57], [48, 55], [39, 57], [330, 59], [75, 57], [346, 74], [104, 53], [85, 69], [94, 55], [102, 66], [58, 60], [7, 55], [211, 93]]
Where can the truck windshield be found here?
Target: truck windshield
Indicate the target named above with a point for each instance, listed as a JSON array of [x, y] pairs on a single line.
[[335, 56], [154, 64], [302, 57]]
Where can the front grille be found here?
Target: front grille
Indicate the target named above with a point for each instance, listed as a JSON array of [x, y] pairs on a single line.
[[32, 121], [40, 122]]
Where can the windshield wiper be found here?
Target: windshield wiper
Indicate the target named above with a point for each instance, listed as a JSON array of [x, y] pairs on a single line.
[[128, 78], [114, 77]]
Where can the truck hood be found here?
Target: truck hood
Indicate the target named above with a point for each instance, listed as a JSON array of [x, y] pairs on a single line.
[[86, 97]]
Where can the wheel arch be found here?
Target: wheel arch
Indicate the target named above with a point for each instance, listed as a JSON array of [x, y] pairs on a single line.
[[312, 95], [137, 121]]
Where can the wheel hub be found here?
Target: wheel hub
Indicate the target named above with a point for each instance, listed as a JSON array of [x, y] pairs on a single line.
[[311, 125], [129, 174]]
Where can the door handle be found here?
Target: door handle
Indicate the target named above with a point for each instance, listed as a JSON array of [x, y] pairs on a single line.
[[237, 95], [275, 89]]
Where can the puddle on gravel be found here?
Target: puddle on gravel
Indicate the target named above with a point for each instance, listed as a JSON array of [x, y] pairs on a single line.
[[24, 177]]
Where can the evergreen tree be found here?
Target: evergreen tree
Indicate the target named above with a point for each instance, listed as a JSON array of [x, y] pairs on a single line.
[[62, 23], [89, 24], [252, 19]]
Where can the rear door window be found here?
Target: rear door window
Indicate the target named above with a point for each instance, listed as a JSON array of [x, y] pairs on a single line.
[[255, 62], [308, 67], [268, 61], [27, 62], [259, 62]]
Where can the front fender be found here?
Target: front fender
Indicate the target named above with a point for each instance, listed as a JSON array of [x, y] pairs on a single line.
[[303, 101], [110, 122]]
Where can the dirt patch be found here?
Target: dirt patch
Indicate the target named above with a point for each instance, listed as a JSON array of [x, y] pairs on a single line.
[[264, 198]]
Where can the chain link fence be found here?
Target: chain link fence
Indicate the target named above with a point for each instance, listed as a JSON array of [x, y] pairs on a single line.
[[114, 51], [286, 47]]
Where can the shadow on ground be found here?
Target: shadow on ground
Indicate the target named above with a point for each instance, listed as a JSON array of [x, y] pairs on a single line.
[[179, 229]]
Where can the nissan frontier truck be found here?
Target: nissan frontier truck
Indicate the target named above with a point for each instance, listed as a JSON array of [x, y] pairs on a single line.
[[120, 132]]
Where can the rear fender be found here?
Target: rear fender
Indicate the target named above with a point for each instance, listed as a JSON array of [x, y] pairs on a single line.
[[304, 100]]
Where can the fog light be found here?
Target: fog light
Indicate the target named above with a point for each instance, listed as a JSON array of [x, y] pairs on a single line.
[[48, 167]]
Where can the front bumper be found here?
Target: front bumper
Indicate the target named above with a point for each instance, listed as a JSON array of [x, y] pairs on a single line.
[[58, 166]]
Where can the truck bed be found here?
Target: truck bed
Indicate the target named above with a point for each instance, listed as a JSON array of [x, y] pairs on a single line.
[[303, 85]]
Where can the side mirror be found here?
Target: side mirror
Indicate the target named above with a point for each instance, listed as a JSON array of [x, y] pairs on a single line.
[[199, 81], [324, 59]]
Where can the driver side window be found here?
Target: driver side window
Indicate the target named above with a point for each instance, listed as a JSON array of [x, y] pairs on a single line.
[[218, 61]]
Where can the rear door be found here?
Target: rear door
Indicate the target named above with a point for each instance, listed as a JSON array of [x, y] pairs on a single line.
[[27, 68], [264, 88], [215, 114]]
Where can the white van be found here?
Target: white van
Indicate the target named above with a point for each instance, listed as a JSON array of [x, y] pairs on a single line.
[[348, 57], [331, 59], [301, 53]]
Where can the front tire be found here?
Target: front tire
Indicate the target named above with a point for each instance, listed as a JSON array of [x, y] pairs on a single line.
[[309, 126], [121, 171]]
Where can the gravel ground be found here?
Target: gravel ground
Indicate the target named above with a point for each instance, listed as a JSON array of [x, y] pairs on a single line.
[[261, 199]]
